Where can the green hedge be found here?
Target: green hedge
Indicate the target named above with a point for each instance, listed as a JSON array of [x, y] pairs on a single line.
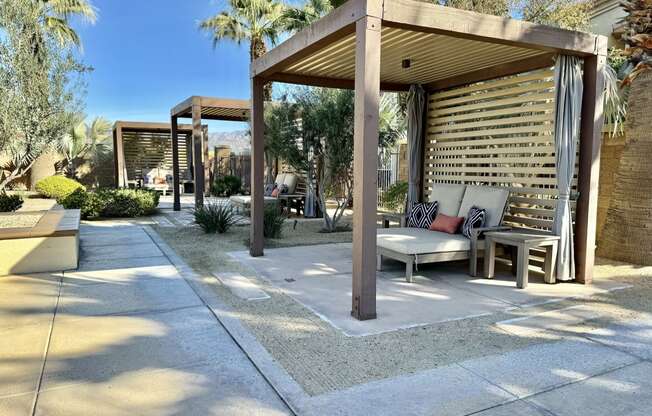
[[57, 187], [112, 202], [226, 186], [10, 203]]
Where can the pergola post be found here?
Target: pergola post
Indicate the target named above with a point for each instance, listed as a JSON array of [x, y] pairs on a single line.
[[175, 162], [257, 166], [589, 165], [197, 152], [365, 165], [119, 165], [205, 158]]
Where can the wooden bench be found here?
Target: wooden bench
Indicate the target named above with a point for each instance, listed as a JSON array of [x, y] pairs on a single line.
[[52, 245]]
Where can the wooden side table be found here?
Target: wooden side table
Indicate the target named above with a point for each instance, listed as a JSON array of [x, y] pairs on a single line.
[[523, 241], [386, 217]]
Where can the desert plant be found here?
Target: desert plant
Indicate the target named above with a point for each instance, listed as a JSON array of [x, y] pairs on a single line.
[[273, 221], [394, 197], [57, 187], [10, 203], [226, 185], [214, 218]]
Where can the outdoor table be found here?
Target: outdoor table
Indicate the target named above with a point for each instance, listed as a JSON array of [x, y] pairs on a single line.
[[523, 241]]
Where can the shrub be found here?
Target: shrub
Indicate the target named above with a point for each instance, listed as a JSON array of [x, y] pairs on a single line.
[[394, 197], [226, 186], [10, 203], [273, 221], [214, 218], [57, 187], [112, 202], [128, 202]]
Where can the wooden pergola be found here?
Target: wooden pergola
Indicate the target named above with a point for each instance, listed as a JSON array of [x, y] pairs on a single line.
[[145, 138], [374, 45], [198, 108]]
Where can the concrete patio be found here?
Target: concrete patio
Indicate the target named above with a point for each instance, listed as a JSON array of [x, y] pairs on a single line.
[[135, 331], [320, 279]]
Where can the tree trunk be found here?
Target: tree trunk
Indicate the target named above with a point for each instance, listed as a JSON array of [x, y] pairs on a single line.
[[626, 235], [257, 49]]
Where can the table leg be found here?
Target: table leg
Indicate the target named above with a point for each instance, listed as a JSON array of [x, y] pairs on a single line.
[[489, 257], [385, 223], [379, 262], [512, 254], [523, 261], [550, 263]]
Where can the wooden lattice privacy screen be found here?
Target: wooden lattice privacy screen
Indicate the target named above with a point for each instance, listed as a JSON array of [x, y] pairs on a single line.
[[144, 151], [498, 133]]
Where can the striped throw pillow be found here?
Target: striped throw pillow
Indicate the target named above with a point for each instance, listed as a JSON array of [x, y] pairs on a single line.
[[422, 214], [474, 219]]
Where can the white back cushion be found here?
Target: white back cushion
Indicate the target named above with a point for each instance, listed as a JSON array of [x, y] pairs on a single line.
[[449, 197], [491, 199], [280, 178], [291, 182]]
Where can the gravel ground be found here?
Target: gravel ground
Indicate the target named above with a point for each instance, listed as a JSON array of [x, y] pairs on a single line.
[[19, 220], [322, 359]]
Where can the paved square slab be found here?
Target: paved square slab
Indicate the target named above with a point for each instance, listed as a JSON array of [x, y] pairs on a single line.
[[136, 296], [16, 405], [136, 236], [624, 392], [28, 299], [228, 387], [517, 408], [443, 391], [635, 337], [114, 345], [121, 264], [241, 286], [123, 251], [534, 369], [553, 320], [21, 358], [124, 276]]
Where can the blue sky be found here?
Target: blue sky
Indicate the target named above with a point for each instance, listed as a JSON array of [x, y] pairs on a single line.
[[149, 55]]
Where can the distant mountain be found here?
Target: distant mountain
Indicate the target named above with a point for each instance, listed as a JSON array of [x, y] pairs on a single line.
[[238, 140]]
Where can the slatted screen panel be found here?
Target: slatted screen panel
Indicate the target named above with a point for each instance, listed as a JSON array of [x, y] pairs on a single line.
[[148, 150], [498, 133]]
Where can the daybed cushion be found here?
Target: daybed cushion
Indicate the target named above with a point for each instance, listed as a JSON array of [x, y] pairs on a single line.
[[492, 199], [290, 181], [448, 196], [280, 178], [420, 241]]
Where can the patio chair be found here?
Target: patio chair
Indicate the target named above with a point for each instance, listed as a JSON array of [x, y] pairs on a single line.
[[158, 179], [243, 202], [415, 246]]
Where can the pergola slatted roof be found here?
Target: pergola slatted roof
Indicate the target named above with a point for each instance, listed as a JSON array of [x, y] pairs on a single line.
[[213, 108]]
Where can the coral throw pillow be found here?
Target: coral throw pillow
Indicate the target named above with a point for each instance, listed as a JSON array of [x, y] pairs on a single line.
[[275, 192], [446, 223]]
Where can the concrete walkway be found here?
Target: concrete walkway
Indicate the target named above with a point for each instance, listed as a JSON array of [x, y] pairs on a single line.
[[123, 335], [132, 333]]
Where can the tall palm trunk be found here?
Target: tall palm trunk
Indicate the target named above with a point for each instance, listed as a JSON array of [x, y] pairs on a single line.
[[626, 235], [257, 49]]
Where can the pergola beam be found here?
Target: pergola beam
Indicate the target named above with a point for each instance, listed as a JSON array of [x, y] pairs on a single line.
[[347, 84]]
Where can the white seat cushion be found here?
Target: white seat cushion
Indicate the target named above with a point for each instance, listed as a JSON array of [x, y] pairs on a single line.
[[280, 179], [420, 241], [491, 199], [448, 197], [246, 199]]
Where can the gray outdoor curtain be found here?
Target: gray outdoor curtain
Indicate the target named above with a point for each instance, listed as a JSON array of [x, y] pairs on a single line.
[[416, 104], [568, 99]]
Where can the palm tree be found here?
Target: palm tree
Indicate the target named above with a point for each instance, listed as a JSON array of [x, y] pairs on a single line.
[[301, 17], [84, 140], [56, 14], [253, 21], [638, 37]]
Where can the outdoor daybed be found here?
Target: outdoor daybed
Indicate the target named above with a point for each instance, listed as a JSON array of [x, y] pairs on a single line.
[[289, 191], [418, 245]]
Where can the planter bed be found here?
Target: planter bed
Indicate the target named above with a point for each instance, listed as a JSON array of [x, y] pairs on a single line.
[[39, 241]]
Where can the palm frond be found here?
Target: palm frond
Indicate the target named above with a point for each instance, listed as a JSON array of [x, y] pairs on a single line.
[[615, 102]]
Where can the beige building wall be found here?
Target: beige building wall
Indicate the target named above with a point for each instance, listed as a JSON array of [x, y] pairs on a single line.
[[605, 20]]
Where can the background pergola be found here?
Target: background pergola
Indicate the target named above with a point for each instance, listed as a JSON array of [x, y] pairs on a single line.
[[362, 45], [148, 146], [198, 108]]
